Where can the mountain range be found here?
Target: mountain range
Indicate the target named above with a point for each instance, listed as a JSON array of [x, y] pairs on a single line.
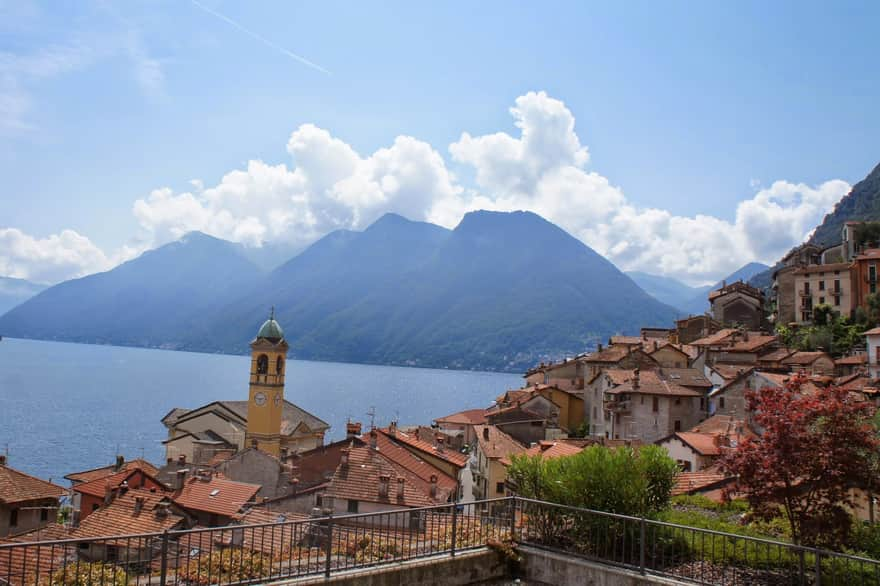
[[16, 291], [499, 292]]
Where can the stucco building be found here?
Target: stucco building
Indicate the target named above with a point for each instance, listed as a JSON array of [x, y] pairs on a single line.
[[822, 285], [26, 502]]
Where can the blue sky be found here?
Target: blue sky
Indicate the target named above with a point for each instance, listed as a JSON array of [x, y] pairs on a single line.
[[688, 109]]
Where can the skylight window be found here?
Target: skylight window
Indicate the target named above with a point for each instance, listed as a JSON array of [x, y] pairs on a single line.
[[215, 492]]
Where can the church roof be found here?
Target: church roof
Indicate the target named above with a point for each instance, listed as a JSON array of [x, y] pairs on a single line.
[[291, 416], [271, 329]]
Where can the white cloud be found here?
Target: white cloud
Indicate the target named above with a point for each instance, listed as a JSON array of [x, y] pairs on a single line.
[[328, 185], [48, 260]]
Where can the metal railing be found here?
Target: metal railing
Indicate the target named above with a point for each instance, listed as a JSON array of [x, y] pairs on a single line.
[[262, 553], [688, 554]]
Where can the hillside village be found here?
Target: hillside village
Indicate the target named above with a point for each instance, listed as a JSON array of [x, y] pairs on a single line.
[[264, 459]]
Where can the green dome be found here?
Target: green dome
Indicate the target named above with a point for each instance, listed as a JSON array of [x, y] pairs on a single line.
[[271, 329]]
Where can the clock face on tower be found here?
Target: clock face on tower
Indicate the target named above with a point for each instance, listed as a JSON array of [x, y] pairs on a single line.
[[260, 399]]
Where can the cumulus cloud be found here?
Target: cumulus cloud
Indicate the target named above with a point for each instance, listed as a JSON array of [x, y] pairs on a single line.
[[544, 167], [61, 256]]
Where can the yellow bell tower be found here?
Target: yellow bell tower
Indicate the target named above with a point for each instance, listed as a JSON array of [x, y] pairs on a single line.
[[266, 398]]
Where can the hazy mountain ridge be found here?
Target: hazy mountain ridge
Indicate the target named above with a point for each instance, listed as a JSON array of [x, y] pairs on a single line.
[[13, 292], [500, 291]]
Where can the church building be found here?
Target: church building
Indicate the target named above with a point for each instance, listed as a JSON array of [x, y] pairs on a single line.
[[266, 421]]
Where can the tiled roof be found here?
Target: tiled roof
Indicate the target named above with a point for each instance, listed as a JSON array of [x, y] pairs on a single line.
[[627, 340], [359, 480], [16, 487], [869, 254], [291, 416], [389, 448], [259, 515], [547, 449], [217, 495], [716, 339], [618, 376], [703, 443], [50, 532], [723, 424], [776, 355], [650, 383], [803, 358], [447, 454], [17, 563], [854, 382], [837, 266], [686, 377], [691, 482], [467, 417], [514, 396], [121, 516], [858, 359], [730, 372], [498, 444], [611, 354], [872, 332], [755, 342], [99, 486], [104, 471]]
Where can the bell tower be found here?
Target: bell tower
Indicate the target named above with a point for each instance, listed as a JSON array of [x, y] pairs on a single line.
[[266, 396]]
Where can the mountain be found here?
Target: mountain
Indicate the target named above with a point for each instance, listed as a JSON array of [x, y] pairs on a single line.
[[699, 303], [861, 203], [499, 292], [16, 291], [153, 300], [666, 289]]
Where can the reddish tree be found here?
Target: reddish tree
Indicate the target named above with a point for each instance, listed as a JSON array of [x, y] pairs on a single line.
[[815, 445]]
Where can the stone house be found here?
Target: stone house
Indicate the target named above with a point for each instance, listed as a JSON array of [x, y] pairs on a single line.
[[617, 356], [738, 303], [487, 467], [695, 327], [462, 423], [451, 462], [88, 497], [668, 356], [851, 364], [214, 501], [699, 447], [528, 421], [647, 408], [813, 363], [26, 502]]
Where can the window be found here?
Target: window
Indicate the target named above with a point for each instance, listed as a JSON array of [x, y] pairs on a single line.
[[721, 403], [352, 506], [95, 507], [499, 487], [807, 288], [677, 425], [837, 285], [13, 518], [318, 500], [279, 365], [595, 415], [617, 418], [44, 514], [821, 300], [262, 364], [684, 465], [702, 403], [821, 285], [678, 400], [655, 404]]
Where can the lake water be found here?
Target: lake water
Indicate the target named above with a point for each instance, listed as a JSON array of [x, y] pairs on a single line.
[[70, 407]]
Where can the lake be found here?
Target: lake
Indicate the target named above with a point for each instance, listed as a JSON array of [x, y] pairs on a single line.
[[69, 407]]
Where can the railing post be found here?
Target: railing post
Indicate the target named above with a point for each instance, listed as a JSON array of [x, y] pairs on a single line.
[[163, 568], [643, 526], [454, 529], [328, 549], [512, 518], [818, 555]]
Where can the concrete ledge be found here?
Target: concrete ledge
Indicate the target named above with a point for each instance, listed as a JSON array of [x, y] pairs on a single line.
[[465, 568], [550, 567]]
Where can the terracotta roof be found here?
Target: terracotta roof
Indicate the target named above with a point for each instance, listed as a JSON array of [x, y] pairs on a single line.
[[650, 383], [857, 360], [292, 416], [51, 532], [547, 449], [259, 515], [716, 339], [869, 254], [618, 376], [804, 358], [467, 417], [775, 379], [514, 396], [854, 382], [730, 372], [686, 377], [626, 340], [611, 354], [217, 495], [121, 516], [16, 487], [359, 480], [692, 482], [104, 471], [723, 424], [447, 454], [755, 342], [498, 444], [734, 287], [776, 355], [702, 443], [98, 487], [19, 563], [389, 448], [872, 332]]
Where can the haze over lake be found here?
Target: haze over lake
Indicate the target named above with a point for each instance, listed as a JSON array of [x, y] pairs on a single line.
[[69, 407]]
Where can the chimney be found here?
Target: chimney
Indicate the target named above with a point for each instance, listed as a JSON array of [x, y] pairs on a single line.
[[169, 461], [344, 459], [2, 459], [373, 435], [179, 479], [400, 485], [656, 345], [384, 479], [392, 428], [486, 433], [440, 442], [108, 493], [644, 336], [120, 462], [352, 429], [433, 486], [598, 347], [181, 460], [162, 510], [138, 505], [635, 381]]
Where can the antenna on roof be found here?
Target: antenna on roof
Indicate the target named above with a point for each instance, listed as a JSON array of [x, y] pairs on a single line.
[[372, 414], [272, 313]]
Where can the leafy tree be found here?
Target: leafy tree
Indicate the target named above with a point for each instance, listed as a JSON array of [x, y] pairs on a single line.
[[813, 449], [823, 314], [86, 574]]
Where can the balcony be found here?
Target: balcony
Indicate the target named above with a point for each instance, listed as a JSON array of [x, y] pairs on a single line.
[[618, 406], [805, 292]]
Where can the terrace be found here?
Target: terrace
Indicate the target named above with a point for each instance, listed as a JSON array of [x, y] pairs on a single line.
[[455, 544]]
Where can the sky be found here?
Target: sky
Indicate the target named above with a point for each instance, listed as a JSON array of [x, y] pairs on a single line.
[[682, 139]]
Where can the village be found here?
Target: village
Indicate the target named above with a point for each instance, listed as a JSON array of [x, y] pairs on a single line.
[[264, 460]]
